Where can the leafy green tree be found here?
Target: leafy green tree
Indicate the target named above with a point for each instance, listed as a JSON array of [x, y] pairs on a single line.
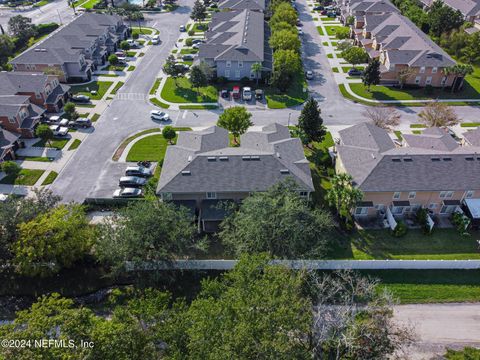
[[355, 55], [171, 69], [22, 28], [52, 241], [443, 18], [199, 11], [284, 13], [286, 65], [198, 78], [471, 51], [459, 71], [278, 222], [124, 45], [7, 48], [255, 311], [371, 74], [235, 119], [113, 59], [343, 196], [284, 40], [311, 122], [71, 111], [11, 168], [169, 133], [256, 68], [146, 230], [282, 25], [44, 132]]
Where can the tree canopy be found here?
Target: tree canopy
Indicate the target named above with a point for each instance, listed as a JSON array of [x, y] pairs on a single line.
[[285, 40], [437, 114], [235, 119], [286, 65], [371, 74], [355, 55], [310, 122]]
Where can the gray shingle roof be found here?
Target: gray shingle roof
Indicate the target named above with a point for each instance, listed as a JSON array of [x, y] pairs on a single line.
[[473, 137], [366, 136], [258, 5], [432, 138], [10, 105], [203, 162], [7, 138], [14, 82]]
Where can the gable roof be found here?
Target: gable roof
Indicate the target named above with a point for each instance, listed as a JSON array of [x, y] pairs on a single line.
[[203, 162], [257, 5], [472, 136], [432, 138], [12, 83], [7, 138]]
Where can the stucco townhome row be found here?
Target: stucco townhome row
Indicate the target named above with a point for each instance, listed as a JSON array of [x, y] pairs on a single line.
[[431, 170], [470, 9], [76, 49], [399, 45], [202, 171], [235, 41]]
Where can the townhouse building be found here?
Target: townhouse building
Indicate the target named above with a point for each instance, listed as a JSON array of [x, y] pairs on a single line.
[[254, 5], [19, 116], [470, 9], [76, 49]]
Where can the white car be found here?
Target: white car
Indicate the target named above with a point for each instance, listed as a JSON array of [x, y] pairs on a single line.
[[64, 122], [54, 119], [300, 31], [127, 193], [138, 171], [159, 115], [155, 39], [59, 130], [247, 94]]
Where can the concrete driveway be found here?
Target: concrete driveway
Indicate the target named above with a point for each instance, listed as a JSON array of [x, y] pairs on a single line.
[[439, 326]]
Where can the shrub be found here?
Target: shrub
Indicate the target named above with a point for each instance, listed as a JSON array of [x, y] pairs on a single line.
[[460, 222], [422, 215], [245, 80], [221, 80], [135, 35], [11, 168], [189, 42], [43, 29], [124, 45], [400, 230], [191, 32]]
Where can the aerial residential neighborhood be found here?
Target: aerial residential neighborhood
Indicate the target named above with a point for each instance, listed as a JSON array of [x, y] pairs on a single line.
[[240, 179]]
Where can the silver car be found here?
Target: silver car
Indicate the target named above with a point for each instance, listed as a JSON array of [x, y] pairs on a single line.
[[132, 181], [127, 193], [138, 171]]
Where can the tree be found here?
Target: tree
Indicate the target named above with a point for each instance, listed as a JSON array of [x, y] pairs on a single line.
[[284, 13], [458, 70], [471, 51], [257, 68], [235, 119], [284, 40], [171, 69], [113, 59], [199, 11], [207, 70], [371, 74], [343, 196], [255, 311], [147, 230], [311, 122], [344, 45], [286, 65], [44, 132], [355, 55], [278, 222], [52, 241], [7, 48], [437, 114], [443, 18], [382, 116], [169, 133], [342, 33], [403, 75], [11, 168], [71, 111], [198, 78], [282, 25], [21, 27], [124, 45]]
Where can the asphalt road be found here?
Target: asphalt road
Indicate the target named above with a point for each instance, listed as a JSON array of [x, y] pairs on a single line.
[[439, 326]]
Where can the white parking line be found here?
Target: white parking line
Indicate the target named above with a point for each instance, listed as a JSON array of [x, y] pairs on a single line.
[[184, 114]]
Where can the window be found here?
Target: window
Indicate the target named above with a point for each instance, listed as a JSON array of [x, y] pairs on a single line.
[[361, 211], [468, 194], [428, 81], [211, 195], [228, 64], [304, 194], [252, 75], [38, 95], [396, 195], [412, 194], [397, 210], [434, 70], [237, 74], [422, 70], [240, 64], [227, 73], [432, 206], [418, 79], [446, 194]]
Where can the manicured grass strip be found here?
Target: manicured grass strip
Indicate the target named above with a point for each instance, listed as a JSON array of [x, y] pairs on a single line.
[[131, 68], [55, 143], [398, 134], [125, 142], [101, 87], [87, 105], [198, 107], [184, 128], [145, 31], [150, 148], [346, 68], [335, 70], [52, 175], [417, 132], [320, 31], [174, 51], [117, 87], [157, 102], [330, 56], [418, 126], [141, 54], [294, 96], [470, 124], [332, 30], [90, 4], [155, 86], [188, 51], [95, 117], [34, 158], [131, 53], [118, 67], [181, 91], [26, 177], [75, 144]]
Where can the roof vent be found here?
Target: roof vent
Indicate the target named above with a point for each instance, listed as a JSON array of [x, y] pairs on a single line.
[[447, 159], [223, 158], [284, 171], [255, 157], [211, 158], [435, 159], [189, 158], [396, 159], [408, 159], [246, 158], [470, 158], [278, 155], [186, 172]]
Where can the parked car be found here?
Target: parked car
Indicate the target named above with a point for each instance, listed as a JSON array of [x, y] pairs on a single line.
[[182, 28], [132, 181], [300, 31], [156, 39], [128, 192], [59, 130], [317, 8], [182, 67], [331, 14], [236, 92], [309, 74], [247, 93], [259, 94], [122, 60], [132, 43], [196, 46], [355, 72], [120, 53], [81, 98], [81, 123], [53, 119], [198, 41], [188, 57], [299, 23], [64, 122], [159, 115], [138, 171], [224, 94], [323, 12]]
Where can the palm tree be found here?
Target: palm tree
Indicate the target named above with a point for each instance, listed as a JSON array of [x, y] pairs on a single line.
[[459, 70], [257, 69], [343, 196]]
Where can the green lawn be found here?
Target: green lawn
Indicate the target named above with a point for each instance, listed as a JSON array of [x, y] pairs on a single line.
[[131, 68], [131, 53], [332, 29], [182, 92], [346, 68], [89, 4], [150, 148], [294, 96], [418, 126], [330, 56], [335, 70], [95, 117], [320, 30], [41, 3], [145, 31], [160, 104], [75, 144], [34, 158], [416, 132], [200, 27], [118, 85], [470, 124], [101, 87], [52, 175], [398, 134], [188, 51], [155, 86], [55, 143], [125, 142], [26, 177], [118, 67]]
